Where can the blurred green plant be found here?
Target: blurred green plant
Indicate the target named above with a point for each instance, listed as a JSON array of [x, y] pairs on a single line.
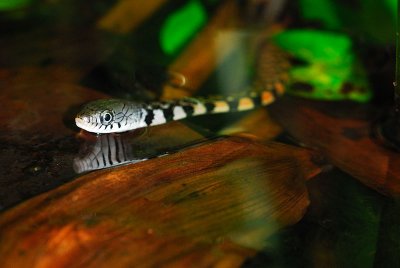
[[392, 7], [6, 5], [329, 69], [322, 10], [180, 26], [370, 20]]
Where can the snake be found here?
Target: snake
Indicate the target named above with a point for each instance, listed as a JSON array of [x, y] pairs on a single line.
[[120, 115]]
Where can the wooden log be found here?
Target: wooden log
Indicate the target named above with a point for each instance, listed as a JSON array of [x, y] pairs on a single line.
[[342, 132], [210, 205]]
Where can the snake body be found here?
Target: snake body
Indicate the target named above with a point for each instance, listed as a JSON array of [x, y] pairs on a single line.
[[117, 115]]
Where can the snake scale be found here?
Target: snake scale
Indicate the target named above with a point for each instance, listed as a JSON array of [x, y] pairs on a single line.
[[117, 115]]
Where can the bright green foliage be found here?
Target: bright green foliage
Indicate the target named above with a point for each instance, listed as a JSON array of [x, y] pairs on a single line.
[[330, 69], [181, 25], [321, 10], [13, 4]]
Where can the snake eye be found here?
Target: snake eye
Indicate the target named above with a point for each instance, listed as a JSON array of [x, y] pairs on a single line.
[[106, 117]]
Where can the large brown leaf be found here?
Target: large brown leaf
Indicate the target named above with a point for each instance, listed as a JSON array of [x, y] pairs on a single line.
[[204, 205]]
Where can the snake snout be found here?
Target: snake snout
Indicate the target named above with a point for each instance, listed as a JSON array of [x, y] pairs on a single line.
[[81, 121]]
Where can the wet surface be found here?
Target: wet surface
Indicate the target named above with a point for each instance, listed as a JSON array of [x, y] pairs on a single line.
[[37, 147], [33, 169]]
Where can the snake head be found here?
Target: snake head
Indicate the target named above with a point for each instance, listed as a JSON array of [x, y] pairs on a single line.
[[109, 116]]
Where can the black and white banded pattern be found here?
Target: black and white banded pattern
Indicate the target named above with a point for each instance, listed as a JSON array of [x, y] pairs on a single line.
[[115, 115]]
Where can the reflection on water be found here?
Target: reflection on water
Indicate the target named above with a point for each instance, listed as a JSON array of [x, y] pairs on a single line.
[[103, 151], [110, 150]]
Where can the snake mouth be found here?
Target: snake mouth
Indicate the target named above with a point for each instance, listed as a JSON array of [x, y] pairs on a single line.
[[81, 123]]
